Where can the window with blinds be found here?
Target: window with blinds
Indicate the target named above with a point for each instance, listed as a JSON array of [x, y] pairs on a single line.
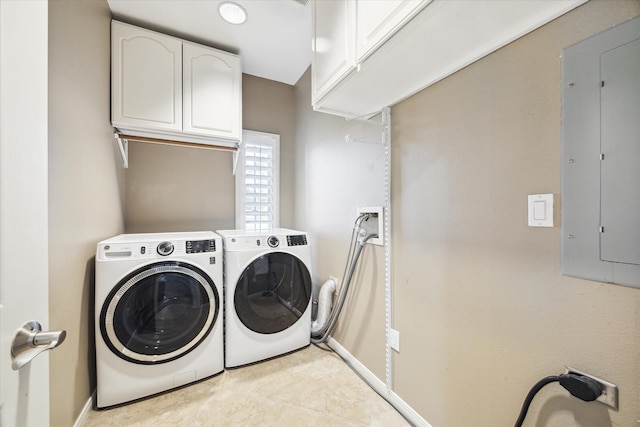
[[257, 182]]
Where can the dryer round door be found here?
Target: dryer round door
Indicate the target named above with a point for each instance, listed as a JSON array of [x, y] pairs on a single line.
[[159, 312], [272, 293]]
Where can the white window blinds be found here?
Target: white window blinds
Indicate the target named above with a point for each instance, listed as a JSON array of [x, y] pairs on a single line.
[[257, 182]]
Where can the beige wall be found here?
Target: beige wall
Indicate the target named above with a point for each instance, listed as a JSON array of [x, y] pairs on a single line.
[[482, 309], [86, 191], [479, 300], [188, 189], [178, 189], [267, 106]]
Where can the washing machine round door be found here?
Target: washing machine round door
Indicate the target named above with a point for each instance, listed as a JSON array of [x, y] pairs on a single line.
[[272, 293], [159, 312]]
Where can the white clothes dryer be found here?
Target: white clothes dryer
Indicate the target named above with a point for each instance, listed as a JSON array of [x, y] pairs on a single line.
[[267, 294], [158, 313]]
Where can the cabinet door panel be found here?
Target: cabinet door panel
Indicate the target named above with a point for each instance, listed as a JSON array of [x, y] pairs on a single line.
[[379, 20], [212, 92], [333, 44], [146, 79]]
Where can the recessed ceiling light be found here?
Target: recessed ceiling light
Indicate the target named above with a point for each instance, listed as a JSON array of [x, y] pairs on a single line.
[[232, 12]]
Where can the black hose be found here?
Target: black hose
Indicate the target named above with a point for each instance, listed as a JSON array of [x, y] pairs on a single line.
[[534, 390]]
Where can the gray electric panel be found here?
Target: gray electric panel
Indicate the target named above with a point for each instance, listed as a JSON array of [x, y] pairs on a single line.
[[601, 157]]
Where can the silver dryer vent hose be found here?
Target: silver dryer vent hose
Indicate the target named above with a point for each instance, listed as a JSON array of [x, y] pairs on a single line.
[[324, 306], [320, 332]]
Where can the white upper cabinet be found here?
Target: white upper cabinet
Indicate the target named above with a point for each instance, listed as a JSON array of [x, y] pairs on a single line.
[[347, 31], [165, 87], [212, 88], [334, 28], [404, 46], [146, 79], [378, 20]]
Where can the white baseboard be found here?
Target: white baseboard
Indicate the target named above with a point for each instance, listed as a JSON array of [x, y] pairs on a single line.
[[82, 418], [376, 384]]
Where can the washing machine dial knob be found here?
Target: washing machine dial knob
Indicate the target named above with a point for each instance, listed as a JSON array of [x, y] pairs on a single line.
[[273, 241], [165, 248]]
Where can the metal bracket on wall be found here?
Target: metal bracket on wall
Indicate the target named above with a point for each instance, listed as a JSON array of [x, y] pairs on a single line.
[[236, 157], [123, 146], [366, 118]]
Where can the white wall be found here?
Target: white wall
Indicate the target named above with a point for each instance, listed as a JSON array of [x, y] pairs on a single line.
[[333, 179]]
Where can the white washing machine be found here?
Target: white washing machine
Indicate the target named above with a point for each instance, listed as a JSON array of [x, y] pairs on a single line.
[[267, 294], [158, 313]]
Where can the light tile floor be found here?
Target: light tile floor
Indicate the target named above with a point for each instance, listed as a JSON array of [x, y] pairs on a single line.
[[310, 387]]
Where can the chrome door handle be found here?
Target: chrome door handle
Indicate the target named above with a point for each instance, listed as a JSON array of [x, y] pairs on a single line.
[[30, 341]]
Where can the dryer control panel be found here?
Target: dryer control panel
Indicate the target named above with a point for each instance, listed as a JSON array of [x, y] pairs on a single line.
[[238, 242]]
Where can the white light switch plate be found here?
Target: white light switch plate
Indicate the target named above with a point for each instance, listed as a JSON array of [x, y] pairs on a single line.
[[541, 210]]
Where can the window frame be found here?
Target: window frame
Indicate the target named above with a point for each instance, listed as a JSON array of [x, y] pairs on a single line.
[[263, 138]]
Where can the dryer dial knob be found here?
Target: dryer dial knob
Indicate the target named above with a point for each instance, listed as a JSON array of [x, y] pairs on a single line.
[[273, 241], [165, 248]]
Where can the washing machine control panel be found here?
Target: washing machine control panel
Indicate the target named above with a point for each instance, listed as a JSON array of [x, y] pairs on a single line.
[[197, 246], [299, 240]]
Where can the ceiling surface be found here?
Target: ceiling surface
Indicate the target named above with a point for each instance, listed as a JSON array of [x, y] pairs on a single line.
[[274, 43]]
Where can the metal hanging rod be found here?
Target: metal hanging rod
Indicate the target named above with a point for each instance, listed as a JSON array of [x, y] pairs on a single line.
[[119, 135], [123, 145]]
